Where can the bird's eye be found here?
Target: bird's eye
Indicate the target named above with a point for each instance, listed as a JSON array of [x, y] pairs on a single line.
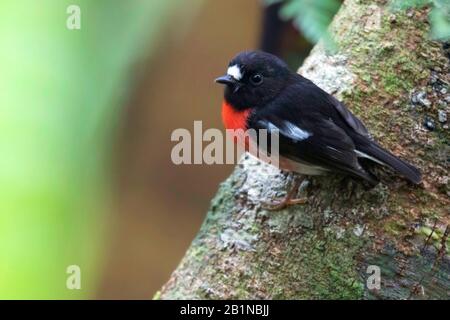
[[256, 79]]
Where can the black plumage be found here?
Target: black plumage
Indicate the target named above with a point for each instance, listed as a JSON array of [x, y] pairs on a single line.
[[314, 128]]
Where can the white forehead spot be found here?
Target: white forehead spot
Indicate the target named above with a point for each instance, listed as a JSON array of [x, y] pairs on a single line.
[[235, 72]]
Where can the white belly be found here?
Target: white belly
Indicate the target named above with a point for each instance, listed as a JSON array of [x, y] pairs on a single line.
[[287, 164], [302, 168]]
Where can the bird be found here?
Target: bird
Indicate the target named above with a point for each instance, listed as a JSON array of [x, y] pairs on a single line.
[[318, 134]]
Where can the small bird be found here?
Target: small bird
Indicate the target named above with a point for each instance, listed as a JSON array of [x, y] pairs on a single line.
[[317, 133]]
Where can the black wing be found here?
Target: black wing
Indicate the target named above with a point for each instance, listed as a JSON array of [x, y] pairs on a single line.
[[337, 137], [364, 144], [309, 134], [324, 145], [330, 106]]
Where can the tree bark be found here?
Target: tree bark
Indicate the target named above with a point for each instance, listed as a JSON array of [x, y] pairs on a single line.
[[392, 76]]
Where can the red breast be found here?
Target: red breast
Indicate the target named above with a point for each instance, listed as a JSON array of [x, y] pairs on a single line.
[[234, 119]]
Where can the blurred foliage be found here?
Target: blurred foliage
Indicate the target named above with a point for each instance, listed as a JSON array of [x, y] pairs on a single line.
[[406, 4], [439, 15], [59, 99], [312, 17]]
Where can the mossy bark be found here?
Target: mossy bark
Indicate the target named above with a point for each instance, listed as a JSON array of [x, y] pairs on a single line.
[[392, 76]]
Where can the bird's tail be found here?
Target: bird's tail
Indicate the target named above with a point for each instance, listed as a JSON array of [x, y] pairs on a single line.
[[376, 153]]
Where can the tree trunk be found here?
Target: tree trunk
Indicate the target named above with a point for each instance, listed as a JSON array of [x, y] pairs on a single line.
[[396, 80]]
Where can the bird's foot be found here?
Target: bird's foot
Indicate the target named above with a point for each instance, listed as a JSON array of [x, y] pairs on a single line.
[[289, 200], [279, 205]]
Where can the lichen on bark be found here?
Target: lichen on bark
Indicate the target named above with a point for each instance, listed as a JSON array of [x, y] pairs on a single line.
[[322, 249]]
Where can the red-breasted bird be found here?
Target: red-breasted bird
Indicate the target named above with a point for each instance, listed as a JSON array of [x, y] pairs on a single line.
[[317, 133]]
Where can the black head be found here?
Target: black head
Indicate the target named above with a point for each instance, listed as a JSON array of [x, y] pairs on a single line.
[[254, 78]]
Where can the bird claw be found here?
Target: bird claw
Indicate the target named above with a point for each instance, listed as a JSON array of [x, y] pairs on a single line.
[[275, 206]]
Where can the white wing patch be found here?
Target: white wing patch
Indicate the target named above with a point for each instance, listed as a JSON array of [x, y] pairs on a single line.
[[290, 130], [363, 155], [235, 72], [296, 132]]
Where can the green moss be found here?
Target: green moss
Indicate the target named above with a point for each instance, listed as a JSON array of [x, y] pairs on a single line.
[[395, 227], [436, 234], [381, 53], [317, 268]]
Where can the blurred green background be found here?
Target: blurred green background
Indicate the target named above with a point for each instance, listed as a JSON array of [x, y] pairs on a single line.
[[60, 103], [85, 122], [86, 117]]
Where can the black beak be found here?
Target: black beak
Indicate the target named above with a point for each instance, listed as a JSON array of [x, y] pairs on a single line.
[[226, 79]]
